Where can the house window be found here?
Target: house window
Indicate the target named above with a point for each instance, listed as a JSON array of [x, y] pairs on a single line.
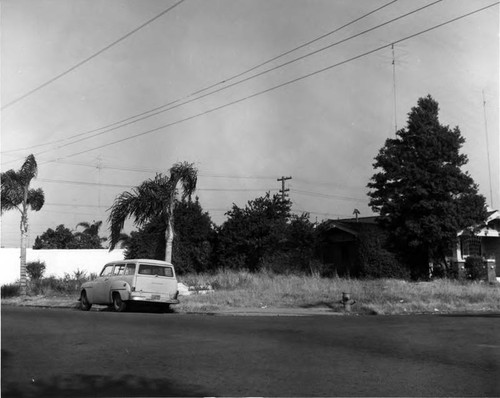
[[470, 246]]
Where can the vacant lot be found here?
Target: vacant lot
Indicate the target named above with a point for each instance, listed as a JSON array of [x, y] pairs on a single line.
[[382, 296], [233, 290]]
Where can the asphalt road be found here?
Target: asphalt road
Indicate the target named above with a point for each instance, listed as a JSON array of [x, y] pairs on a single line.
[[63, 352]]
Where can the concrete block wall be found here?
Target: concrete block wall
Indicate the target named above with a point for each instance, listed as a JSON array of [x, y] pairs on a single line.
[[58, 262]]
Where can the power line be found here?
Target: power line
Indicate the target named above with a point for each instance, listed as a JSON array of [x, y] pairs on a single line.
[[328, 196], [90, 57], [318, 213], [145, 170], [212, 85], [283, 84], [100, 184], [295, 48]]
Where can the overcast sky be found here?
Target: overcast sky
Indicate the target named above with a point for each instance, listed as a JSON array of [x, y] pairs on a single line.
[[71, 68]]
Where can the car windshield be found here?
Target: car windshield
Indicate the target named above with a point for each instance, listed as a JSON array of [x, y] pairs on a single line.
[[108, 270], [147, 269]]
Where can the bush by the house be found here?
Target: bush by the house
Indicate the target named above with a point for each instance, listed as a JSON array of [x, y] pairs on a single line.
[[376, 261], [475, 268]]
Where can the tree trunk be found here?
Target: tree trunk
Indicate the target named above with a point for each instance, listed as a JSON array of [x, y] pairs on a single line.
[[169, 235], [24, 236]]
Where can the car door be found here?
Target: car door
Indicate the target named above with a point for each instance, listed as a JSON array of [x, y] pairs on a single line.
[[102, 284]]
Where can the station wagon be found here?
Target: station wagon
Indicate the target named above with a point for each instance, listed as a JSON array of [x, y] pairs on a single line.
[[123, 282]]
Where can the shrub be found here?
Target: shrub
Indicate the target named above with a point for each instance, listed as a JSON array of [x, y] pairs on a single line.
[[10, 290], [475, 268], [378, 262], [35, 269]]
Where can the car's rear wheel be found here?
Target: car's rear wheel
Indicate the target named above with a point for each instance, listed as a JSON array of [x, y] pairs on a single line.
[[118, 304], [84, 302]]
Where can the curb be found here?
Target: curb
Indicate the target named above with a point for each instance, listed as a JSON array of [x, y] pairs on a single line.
[[296, 312]]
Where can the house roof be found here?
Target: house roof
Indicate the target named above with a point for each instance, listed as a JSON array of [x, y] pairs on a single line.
[[362, 220], [339, 225], [350, 225], [492, 215]]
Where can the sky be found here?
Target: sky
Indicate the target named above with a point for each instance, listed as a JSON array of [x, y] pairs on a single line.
[[106, 93]]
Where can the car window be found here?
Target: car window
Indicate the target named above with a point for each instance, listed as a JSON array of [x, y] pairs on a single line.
[[130, 269], [145, 269], [108, 270], [119, 269]]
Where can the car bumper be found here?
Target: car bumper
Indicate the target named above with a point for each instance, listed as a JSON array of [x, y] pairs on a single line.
[[152, 298]]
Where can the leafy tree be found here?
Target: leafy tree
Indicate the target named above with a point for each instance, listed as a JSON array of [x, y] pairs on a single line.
[[423, 197], [16, 194], [60, 238], [147, 242], [252, 232], [192, 244], [64, 238], [297, 251], [264, 234], [153, 199]]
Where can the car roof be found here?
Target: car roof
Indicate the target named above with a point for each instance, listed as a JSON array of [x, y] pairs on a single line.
[[141, 260]]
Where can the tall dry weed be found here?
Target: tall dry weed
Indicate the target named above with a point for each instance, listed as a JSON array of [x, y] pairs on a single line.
[[242, 289]]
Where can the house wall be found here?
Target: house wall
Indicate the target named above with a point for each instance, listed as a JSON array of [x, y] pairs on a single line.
[[492, 248], [58, 262]]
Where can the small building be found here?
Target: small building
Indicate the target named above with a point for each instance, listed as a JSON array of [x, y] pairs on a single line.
[[355, 247], [484, 243]]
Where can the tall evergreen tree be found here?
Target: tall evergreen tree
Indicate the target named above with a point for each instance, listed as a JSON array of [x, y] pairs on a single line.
[[420, 191]]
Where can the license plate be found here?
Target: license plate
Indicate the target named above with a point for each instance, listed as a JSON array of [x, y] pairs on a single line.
[[155, 297]]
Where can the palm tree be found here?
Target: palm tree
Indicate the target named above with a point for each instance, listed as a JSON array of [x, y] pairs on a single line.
[[154, 198], [90, 228], [16, 194], [89, 237]]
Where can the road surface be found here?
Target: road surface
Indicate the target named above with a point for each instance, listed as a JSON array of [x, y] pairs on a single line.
[[64, 352]]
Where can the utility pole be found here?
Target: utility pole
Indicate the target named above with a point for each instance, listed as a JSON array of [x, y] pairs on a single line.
[[283, 190], [487, 148], [394, 89]]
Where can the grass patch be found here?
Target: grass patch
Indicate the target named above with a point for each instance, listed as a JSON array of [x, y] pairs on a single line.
[[234, 290]]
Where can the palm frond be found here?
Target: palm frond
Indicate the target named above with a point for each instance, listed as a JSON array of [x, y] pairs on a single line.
[[84, 224], [186, 174], [12, 192], [29, 170], [36, 199], [142, 204]]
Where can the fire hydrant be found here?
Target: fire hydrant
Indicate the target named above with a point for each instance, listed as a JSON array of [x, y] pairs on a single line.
[[347, 302]]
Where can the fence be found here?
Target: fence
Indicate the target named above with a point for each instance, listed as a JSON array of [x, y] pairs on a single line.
[[58, 262]]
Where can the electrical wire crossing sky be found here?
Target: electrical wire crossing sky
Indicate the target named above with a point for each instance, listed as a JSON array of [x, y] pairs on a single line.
[[107, 93]]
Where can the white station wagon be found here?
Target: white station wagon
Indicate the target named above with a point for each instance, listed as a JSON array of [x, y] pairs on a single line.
[[126, 281]]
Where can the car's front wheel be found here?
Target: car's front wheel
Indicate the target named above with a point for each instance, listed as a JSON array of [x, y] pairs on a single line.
[[118, 304], [85, 305]]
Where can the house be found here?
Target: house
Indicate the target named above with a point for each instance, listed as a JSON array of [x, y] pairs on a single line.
[[484, 243], [356, 247]]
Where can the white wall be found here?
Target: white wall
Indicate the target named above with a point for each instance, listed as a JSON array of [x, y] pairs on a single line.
[[58, 262]]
